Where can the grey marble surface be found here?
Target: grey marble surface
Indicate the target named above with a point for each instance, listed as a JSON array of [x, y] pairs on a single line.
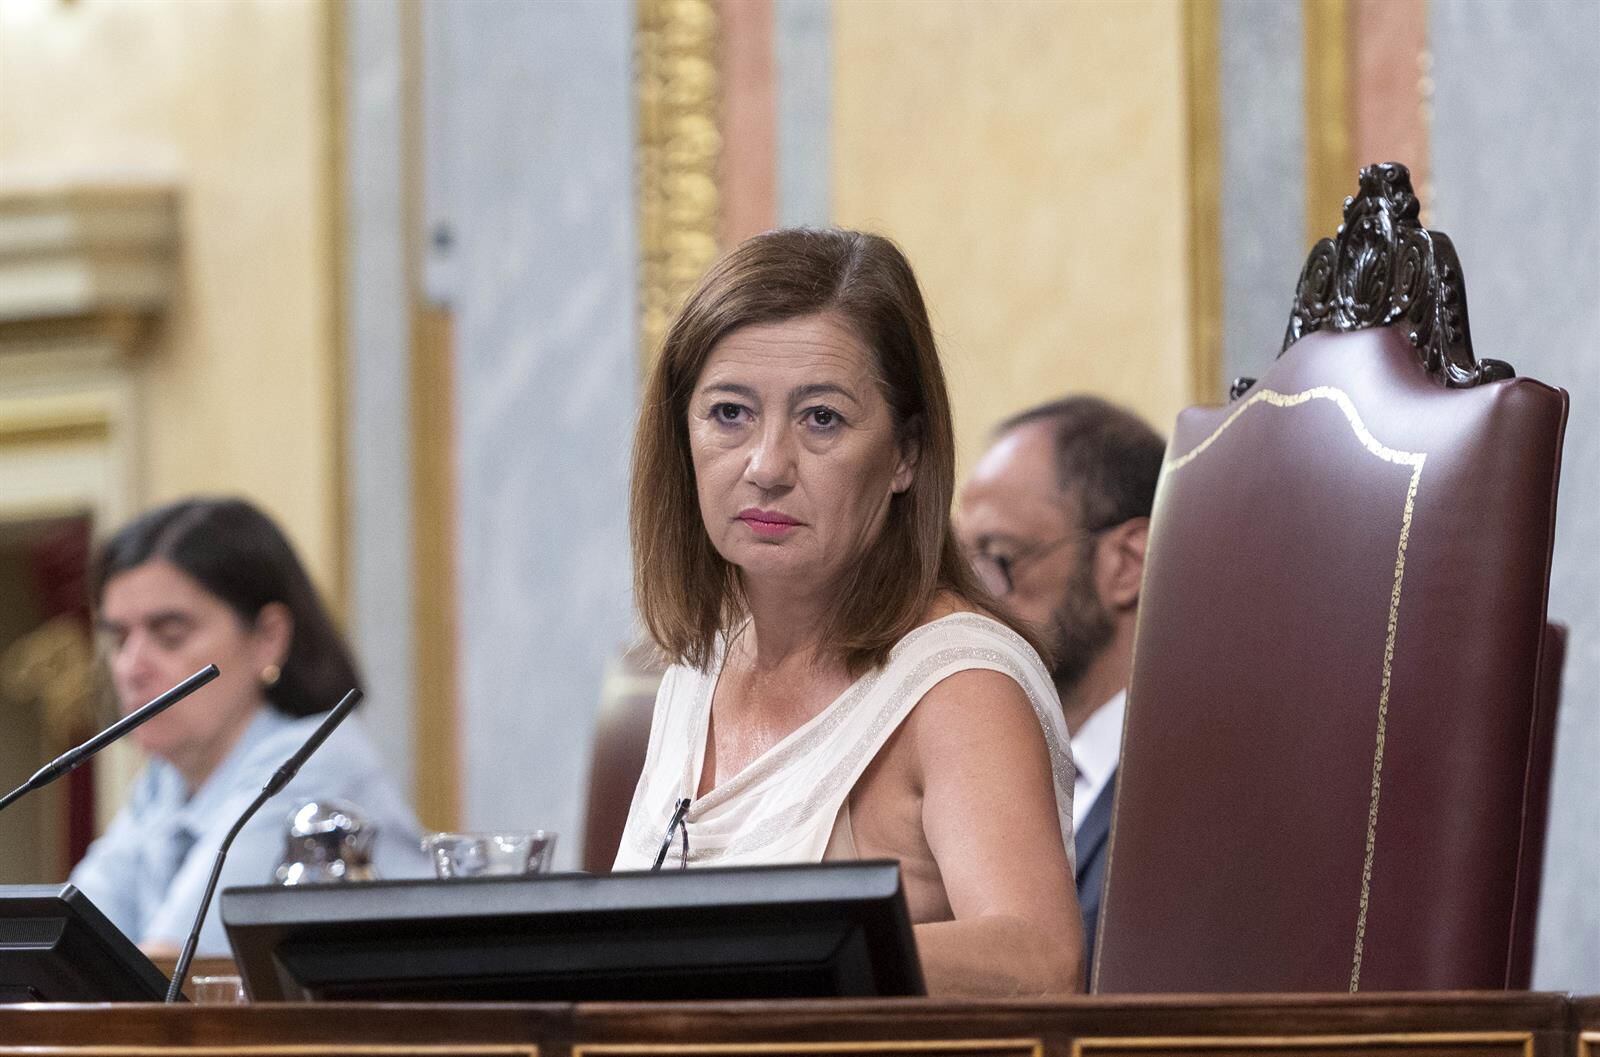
[[1516, 159], [802, 42], [1263, 188], [540, 171], [378, 412]]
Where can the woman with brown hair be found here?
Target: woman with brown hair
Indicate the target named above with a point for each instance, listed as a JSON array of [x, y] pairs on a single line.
[[842, 687]]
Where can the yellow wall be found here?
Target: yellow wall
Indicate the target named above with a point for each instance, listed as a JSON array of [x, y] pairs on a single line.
[[230, 100], [1030, 159]]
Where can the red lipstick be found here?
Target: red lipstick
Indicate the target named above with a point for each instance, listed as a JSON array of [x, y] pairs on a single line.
[[768, 524]]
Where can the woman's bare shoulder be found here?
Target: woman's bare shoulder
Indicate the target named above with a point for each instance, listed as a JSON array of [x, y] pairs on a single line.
[[977, 714]]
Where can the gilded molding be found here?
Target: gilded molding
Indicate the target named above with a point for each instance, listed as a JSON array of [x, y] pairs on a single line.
[[87, 251], [676, 86], [336, 79], [59, 418], [1163, 1044], [286, 1049], [1415, 461], [1327, 110], [50, 673], [1203, 72], [866, 1048], [1425, 92]]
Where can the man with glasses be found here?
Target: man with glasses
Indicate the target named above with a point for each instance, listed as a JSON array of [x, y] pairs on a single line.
[[1054, 519]]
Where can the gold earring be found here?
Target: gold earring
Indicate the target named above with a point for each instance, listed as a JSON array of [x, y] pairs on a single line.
[[270, 675]]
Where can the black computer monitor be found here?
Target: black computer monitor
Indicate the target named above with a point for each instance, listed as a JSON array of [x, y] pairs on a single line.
[[755, 932], [56, 946]]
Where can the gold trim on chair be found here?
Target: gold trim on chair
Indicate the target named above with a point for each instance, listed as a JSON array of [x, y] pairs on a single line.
[[1414, 460]]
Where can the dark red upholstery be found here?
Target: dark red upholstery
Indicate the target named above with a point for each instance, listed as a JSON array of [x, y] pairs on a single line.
[[622, 734], [1336, 755], [1536, 806]]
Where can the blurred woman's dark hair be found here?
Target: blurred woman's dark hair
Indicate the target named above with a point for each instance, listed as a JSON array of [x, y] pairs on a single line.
[[240, 556]]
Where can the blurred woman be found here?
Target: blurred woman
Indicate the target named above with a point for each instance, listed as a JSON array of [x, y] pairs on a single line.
[[214, 581], [842, 685]]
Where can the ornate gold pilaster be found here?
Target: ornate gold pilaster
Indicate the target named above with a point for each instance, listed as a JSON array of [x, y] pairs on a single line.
[[680, 141], [1203, 77], [1326, 25], [335, 79]]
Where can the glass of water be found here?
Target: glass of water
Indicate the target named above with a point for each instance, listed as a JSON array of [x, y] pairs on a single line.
[[507, 854]]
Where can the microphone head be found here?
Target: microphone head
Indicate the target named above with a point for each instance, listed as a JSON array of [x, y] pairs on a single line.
[[336, 716]]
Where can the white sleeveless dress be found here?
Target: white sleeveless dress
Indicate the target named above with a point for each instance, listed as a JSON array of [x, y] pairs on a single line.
[[785, 805]]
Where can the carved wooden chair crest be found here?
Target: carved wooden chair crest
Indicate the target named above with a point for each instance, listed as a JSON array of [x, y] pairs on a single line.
[[1384, 268]]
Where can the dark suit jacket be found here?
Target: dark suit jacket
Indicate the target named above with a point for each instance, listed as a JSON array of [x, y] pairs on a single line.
[[1090, 845]]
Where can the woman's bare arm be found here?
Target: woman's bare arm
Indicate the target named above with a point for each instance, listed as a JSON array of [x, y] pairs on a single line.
[[989, 815]]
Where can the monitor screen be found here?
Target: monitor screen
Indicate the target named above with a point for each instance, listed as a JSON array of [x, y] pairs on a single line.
[[56, 946], [833, 929]]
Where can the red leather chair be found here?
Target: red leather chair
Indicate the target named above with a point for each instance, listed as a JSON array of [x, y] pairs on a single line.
[[622, 734], [1337, 750]]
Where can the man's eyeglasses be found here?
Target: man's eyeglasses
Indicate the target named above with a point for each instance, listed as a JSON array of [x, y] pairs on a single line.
[[681, 826], [998, 571]]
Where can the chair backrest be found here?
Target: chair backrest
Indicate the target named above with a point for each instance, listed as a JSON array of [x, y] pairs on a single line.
[[622, 734], [1335, 757], [1530, 870]]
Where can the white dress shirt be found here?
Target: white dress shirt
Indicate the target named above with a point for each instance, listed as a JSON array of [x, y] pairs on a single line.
[[1096, 748]]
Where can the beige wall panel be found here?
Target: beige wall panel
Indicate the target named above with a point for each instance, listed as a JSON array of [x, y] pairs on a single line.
[[1030, 158], [227, 99]]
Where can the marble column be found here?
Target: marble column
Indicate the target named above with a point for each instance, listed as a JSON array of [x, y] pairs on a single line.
[[1516, 176], [802, 40], [537, 155], [377, 337], [1263, 182]]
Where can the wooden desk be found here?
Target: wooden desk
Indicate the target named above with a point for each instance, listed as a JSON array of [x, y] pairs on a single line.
[[1434, 1025], [1586, 1026]]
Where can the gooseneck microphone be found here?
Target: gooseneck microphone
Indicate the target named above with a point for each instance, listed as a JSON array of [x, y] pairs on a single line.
[[274, 786], [73, 757]]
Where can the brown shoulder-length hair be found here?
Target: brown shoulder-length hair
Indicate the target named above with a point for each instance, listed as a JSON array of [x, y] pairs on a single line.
[[686, 593]]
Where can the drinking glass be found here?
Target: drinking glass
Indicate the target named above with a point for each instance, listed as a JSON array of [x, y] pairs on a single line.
[[217, 990], [490, 854]]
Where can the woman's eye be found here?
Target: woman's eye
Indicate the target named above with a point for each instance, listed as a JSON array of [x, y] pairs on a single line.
[[171, 640], [823, 417], [727, 414]]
